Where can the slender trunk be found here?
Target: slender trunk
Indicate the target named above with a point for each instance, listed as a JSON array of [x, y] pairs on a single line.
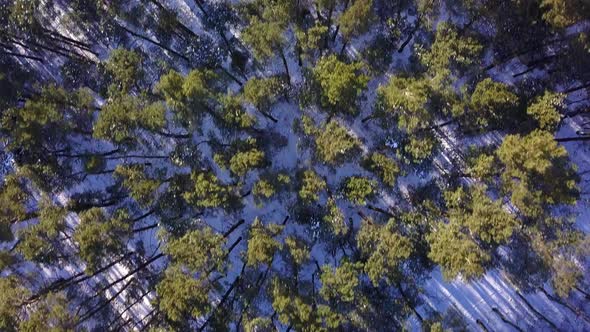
[[201, 7], [145, 228], [91, 313], [63, 283], [137, 156], [575, 311], [79, 206], [409, 38], [505, 320], [286, 65], [164, 47], [535, 310], [343, 48], [480, 324], [233, 228], [24, 56], [267, 115], [226, 72], [127, 309], [88, 154], [134, 271], [179, 136], [576, 88], [223, 299], [573, 139], [409, 303], [376, 209]]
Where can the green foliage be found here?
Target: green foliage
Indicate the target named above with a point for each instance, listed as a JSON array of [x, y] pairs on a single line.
[[358, 189], [296, 311], [262, 92], [311, 40], [37, 242], [456, 252], [450, 52], [207, 191], [141, 187], [537, 172], [189, 97], [245, 161], [409, 100], [485, 218], [233, 113], [483, 166], [311, 185], [122, 116], [341, 283], [181, 296], [262, 244], [52, 314], [340, 84], [357, 19], [99, 236], [491, 102], [563, 13], [125, 68], [12, 206], [298, 250], [12, 296], [41, 117], [264, 37], [386, 168], [335, 218], [263, 188], [334, 143], [546, 110], [200, 250], [384, 250]]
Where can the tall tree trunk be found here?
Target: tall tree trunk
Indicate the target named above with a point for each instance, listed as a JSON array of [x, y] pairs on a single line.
[[286, 65]]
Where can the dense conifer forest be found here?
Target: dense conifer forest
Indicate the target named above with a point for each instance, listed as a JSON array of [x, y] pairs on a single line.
[[294, 165]]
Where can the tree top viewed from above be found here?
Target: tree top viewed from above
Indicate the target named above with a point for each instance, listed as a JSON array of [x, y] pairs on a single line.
[[294, 165]]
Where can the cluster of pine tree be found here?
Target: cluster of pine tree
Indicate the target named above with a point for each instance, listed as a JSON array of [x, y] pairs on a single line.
[[302, 165]]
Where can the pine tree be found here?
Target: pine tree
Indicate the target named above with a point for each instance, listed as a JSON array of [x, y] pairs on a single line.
[[386, 168], [358, 189], [262, 244], [450, 54], [491, 103], [334, 143], [485, 218], [12, 206], [52, 313], [182, 297], [545, 110], [38, 242], [334, 218], [100, 236], [141, 187], [563, 13], [122, 117], [340, 84], [537, 172], [384, 250], [311, 186], [199, 251], [233, 113], [356, 20], [456, 253], [207, 192], [125, 68], [12, 297], [340, 284]]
